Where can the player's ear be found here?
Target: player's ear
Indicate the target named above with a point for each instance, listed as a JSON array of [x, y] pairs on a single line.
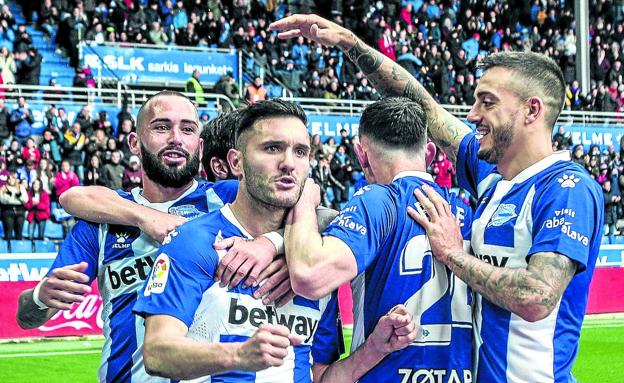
[[219, 168], [134, 144], [430, 152], [361, 155], [235, 161]]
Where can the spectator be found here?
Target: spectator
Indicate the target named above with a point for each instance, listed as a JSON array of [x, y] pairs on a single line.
[[30, 67], [132, 175], [443, 170], [22, 120], [255, 92], [13, 196], [111, 146], [194, 86], [342, 169], [314, 89], [13, 155], [73, 144], [113, 171], [65, 179], [103, 123], [5, 119], [27, 172], [157, 34], [321, 174], [84, 118], [45, 173], [611, 201], [94, 172], [385, 44], [48, 18], [30, 151], [8, 68], [38, 208], [4, 174], [316, 147], [227, 86], [49, 147]]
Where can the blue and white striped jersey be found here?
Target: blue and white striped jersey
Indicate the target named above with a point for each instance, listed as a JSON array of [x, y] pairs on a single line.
[[395, 265], [182, 285], [121, 258], [552, 206]]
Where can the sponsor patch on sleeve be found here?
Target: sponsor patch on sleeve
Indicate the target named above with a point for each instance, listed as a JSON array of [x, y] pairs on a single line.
[[159, 276]]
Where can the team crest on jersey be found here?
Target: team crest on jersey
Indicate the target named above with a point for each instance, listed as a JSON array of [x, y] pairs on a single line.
[[503, 214], [173, 233], [568, 181], [121, 241], [186, 211], [159, 276]]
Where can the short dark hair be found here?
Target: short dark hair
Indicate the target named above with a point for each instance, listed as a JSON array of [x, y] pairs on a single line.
[[219, 137], [395, 122], [538, 75], [267, 109], [152, 97]]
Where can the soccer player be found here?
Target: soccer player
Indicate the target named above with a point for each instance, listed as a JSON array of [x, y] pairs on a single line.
[[218, 136], [196, 328], [386, 255], [538, 224], [119, 255]]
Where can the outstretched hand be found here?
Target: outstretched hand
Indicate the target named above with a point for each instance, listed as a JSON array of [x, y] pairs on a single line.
[[312, 27]]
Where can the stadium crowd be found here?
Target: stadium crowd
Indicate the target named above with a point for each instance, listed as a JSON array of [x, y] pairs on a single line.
[[438, 41]]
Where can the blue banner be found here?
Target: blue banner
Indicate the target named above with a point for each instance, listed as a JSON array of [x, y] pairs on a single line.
[[330, 125], [610, 255], [589, 135], [149, 65]]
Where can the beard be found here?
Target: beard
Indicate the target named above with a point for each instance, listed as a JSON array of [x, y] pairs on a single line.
[[501, 141], [169, 176], [259, 188]]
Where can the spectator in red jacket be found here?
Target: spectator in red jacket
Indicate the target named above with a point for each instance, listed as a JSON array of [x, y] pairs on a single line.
[[443, 170], [386, 44], [30, 151], [38, 208], [65, 179]]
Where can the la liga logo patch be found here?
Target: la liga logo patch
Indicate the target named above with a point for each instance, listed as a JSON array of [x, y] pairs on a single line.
[[159, 276]]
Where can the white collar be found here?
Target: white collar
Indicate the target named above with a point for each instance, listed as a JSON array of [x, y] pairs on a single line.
[[137, 193], [413, 173], [226, 210], [561, 155]]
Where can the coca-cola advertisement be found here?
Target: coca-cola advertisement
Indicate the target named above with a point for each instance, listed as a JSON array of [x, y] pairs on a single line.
[[19, 272]]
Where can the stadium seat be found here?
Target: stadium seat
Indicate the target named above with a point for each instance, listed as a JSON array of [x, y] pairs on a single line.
[[53, 230], [25, 230], [4, 246], [21, 246], [45, 246]]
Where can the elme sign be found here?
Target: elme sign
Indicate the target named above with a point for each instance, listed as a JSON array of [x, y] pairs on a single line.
[[135, 65]]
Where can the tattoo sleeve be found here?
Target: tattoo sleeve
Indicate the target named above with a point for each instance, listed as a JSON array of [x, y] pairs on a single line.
[[525, 292], [391, 79]]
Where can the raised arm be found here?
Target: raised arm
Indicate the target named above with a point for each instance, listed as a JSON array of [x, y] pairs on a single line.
[[102, 205], [388, 77]]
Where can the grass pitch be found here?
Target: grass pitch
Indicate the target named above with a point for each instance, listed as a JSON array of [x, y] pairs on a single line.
[[600, 360]]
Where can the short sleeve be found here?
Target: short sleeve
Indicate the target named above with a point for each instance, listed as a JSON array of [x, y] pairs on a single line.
[[328, 343], [181, 274], [365, 223], [471, 171], [568, 218], [80, 245]]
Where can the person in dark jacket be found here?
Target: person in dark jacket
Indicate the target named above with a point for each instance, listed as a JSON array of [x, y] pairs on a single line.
[[611, 201]]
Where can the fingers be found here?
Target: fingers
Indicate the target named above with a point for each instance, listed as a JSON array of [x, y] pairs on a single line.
[[295, 340], [289, 34], [282, 289], [289, 296], [442, 207], [224, 244], [72, 273], [271, 283], [268, 285], [428, 206], [240, 274], [234, 270]]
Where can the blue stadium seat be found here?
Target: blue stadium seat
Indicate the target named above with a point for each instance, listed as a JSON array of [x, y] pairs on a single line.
[[4, 246], [45, 246], [21, 246], [25, 230], [53, 230]]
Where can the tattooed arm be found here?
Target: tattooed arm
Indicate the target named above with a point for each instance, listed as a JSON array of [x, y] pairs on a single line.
[[390, 78], [531, 293]]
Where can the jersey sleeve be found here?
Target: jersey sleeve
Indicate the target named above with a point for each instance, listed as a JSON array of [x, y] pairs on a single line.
[[365, 222], [125, 195], [328, 343], [471, 171], [182, 272], [568, 218], [80, 245], [226, 190]]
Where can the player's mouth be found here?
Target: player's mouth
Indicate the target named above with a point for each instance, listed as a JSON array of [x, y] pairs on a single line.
[[173, 157], [286, 182], [482, 132]]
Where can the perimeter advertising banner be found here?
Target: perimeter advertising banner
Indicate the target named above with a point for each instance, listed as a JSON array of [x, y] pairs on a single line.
[[137, 65]]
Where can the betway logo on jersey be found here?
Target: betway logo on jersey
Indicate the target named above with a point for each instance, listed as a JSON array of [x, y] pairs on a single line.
[[159, 276], [20, 271], [493, 259], [126, 273], [345, 220], [297, 324]]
